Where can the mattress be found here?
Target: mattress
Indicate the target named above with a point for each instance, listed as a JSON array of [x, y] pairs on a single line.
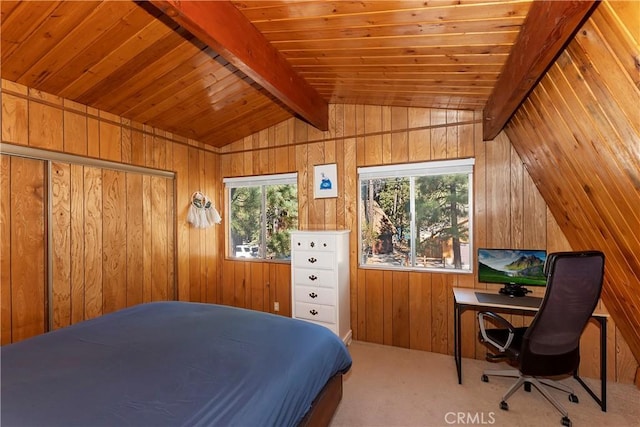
[[170, 364]]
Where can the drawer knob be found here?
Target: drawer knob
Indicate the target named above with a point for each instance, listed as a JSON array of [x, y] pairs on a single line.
[[325, 245], [313, 312], [313, 277], [312, 260], [313, 294], [313, 245]]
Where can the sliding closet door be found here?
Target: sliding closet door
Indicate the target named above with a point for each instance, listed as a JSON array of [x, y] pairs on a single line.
[[22, 253], [113, 236]]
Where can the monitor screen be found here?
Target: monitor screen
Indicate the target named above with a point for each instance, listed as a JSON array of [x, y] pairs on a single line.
[[512, 266]]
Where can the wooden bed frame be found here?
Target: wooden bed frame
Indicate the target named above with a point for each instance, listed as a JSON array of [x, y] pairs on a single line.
[[325, 404]]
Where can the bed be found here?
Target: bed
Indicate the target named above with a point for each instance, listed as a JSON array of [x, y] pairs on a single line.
[[175, 364]]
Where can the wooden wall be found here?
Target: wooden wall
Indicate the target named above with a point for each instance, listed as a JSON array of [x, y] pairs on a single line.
[[401, 308], [578, 135], [113, 232], [22, 227]]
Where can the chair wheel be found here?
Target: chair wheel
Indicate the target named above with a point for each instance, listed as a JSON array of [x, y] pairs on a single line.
[[566, 421], [505, 406], [484, 378], [573, 398], [527, 387]]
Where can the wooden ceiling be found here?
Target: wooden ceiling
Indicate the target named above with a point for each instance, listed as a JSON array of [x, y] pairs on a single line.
[[141, 60]]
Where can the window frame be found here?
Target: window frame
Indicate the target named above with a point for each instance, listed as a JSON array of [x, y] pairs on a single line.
[[262, 181], [412, 171]]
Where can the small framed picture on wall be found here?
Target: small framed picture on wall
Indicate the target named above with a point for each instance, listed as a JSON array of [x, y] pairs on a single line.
[[325, 181]]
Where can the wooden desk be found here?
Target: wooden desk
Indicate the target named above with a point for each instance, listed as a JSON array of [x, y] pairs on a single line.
[[465, 298]]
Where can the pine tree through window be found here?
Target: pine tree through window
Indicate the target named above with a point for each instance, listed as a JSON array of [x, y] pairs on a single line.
[[417, 216], [262, 212]]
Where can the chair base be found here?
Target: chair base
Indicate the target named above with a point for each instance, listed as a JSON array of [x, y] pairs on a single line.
[[539, 383]]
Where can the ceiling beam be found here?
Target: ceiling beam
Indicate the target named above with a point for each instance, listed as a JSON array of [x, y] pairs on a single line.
[[226, 30], [546, 30]]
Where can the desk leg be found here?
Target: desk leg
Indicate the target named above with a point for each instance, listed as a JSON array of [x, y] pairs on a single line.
[[457, 350], [603, 363], [602, 401]]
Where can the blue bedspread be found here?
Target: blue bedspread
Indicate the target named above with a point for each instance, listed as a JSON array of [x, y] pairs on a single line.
[[170, 363]]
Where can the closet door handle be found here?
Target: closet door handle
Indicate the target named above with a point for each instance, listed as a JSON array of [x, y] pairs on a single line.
[[313, 277], [313, 312], [313, 295], [312, 260]]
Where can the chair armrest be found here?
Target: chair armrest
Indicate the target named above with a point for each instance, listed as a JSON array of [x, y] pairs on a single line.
[[503, 322]]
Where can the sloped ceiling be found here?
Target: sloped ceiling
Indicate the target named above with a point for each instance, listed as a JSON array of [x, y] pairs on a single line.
[[216, 71], [578, 134]]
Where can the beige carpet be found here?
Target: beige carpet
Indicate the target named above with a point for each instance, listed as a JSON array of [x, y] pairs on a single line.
[[391, 386]]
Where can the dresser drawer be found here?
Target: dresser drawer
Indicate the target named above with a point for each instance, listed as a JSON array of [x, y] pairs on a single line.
[[331, 326], [315, 295], [313, 259], [313, 277], [317, 312], [313, 242]]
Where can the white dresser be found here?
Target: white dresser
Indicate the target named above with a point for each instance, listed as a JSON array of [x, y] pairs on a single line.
[[320, 279]]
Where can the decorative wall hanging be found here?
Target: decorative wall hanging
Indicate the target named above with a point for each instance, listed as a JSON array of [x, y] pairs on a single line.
[[325, 181], [202, 213]]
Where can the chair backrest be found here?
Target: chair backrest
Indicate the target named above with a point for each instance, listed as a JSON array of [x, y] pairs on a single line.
[[574, 284]]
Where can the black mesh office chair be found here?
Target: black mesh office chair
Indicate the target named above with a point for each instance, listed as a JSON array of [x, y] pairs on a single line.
[[550, 345]]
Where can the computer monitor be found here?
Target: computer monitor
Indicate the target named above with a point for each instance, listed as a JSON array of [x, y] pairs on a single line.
[[514, 268]]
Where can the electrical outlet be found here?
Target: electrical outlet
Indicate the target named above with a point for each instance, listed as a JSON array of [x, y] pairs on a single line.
[[276, 306]]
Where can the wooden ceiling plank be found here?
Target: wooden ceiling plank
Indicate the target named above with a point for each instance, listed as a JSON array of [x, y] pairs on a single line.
[[392, 14], [418, 75], [260, 10], [48, 70], [407, 41], [335, 52], [237, 111], [19, 21], [546, 30], [408, 68], [153, 65], [119, 58], [185, 93], [219, 23], [269, 115], [7, 8], [208, 101], [299, 31], [404, 60], [427, 81], [149, 92]]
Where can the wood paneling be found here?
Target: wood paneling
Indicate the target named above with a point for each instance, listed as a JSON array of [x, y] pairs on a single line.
[[407, 309], [578, 135], [550, 135], [92, 244], [134, 238], [5, 249], [61, 248], [445, 54], [124, 231], [130, 59], [23, 250], [114, 226], [127, 58]]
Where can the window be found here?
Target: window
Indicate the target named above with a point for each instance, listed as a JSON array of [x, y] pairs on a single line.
[[262, 211], [417, 216]]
